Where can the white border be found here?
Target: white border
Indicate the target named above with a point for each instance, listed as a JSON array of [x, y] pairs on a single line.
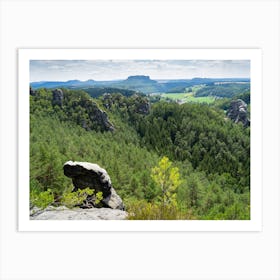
[[254, 55]]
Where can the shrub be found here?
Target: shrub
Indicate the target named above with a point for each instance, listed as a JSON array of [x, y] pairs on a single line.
[[72, 199], [41, 199], [143, 210]]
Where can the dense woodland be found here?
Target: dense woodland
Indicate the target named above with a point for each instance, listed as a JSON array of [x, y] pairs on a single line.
[[206, 155], [227, 90]]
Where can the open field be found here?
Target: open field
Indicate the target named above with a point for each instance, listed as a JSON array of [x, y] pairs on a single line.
[[175, 96], [207, 99], [188, 97]]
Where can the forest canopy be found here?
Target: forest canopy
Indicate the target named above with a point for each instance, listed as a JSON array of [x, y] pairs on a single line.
[[208, 154]]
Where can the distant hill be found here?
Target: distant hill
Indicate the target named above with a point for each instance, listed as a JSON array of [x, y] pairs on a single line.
[[175, 86], [226, 89], [95, 92], [68, 84], [138, 83]]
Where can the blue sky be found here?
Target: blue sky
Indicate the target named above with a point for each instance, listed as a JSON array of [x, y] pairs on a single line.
[[100, 70]]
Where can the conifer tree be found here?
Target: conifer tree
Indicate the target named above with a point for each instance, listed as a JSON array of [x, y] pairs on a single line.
[[168, 179]]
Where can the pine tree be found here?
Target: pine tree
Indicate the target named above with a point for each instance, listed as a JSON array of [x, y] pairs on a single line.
[[168, 179]]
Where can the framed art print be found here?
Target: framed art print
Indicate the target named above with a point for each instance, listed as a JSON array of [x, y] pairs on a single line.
[[140, 140]]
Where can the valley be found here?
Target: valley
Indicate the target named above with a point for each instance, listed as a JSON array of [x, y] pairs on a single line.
[[140, 131]]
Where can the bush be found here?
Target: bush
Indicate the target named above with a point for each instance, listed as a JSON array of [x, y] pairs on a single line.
[[72, 199], [42, 199], [143, 210]]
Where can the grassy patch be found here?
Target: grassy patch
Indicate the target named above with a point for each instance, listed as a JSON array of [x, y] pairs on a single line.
[[175, 96], [188, 97], [206, 99]]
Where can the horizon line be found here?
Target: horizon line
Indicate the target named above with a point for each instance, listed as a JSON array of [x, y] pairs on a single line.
[[155, 79]]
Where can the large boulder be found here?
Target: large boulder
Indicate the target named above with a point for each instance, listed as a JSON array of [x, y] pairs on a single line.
[[90, 175], [237, 112]]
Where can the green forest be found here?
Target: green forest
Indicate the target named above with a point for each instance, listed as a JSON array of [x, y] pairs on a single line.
[[165, 160], [223, 90]]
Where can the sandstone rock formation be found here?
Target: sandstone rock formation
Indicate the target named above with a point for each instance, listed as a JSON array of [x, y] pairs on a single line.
[[237, 112], [64, 213], [90, 175], [32, 91], [107, 100], [137, 104], [57, 98], [143, 107], [100, 117], [96, 118]]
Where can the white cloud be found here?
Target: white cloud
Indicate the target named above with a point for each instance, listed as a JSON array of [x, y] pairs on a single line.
[[120, 69]]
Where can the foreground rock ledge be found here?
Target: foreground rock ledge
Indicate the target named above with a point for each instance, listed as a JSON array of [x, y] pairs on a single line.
[[64, 213], [91, 175]]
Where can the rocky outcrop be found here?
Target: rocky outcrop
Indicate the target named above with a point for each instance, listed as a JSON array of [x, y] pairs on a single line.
[[93, 118], [143, 107], [64, 213], [113, 200], [237, 112], [101, 118], [32, 91], [90, 175], [107, 100], [133, 104], [57, 97]]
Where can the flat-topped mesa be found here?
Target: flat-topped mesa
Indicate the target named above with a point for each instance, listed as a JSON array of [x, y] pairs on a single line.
[[91, 175], [139, 78]]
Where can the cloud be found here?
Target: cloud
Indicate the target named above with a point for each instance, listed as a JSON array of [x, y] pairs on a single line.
[[120, 69]]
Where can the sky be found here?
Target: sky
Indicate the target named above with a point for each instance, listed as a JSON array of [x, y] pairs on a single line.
[[105, 70]]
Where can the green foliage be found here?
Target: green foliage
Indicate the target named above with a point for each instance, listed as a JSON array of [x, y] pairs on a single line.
[[192, 191], [227, 90], [130, 109], [96, 92], [41, 199], [53, 141], [168, 179], [175, 95], [77, 107], [188, 97], [224, 103], [246, 97], [143, 210], [72, 199], [200, 134], [210, 155], [98, 197], [203, 100]]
